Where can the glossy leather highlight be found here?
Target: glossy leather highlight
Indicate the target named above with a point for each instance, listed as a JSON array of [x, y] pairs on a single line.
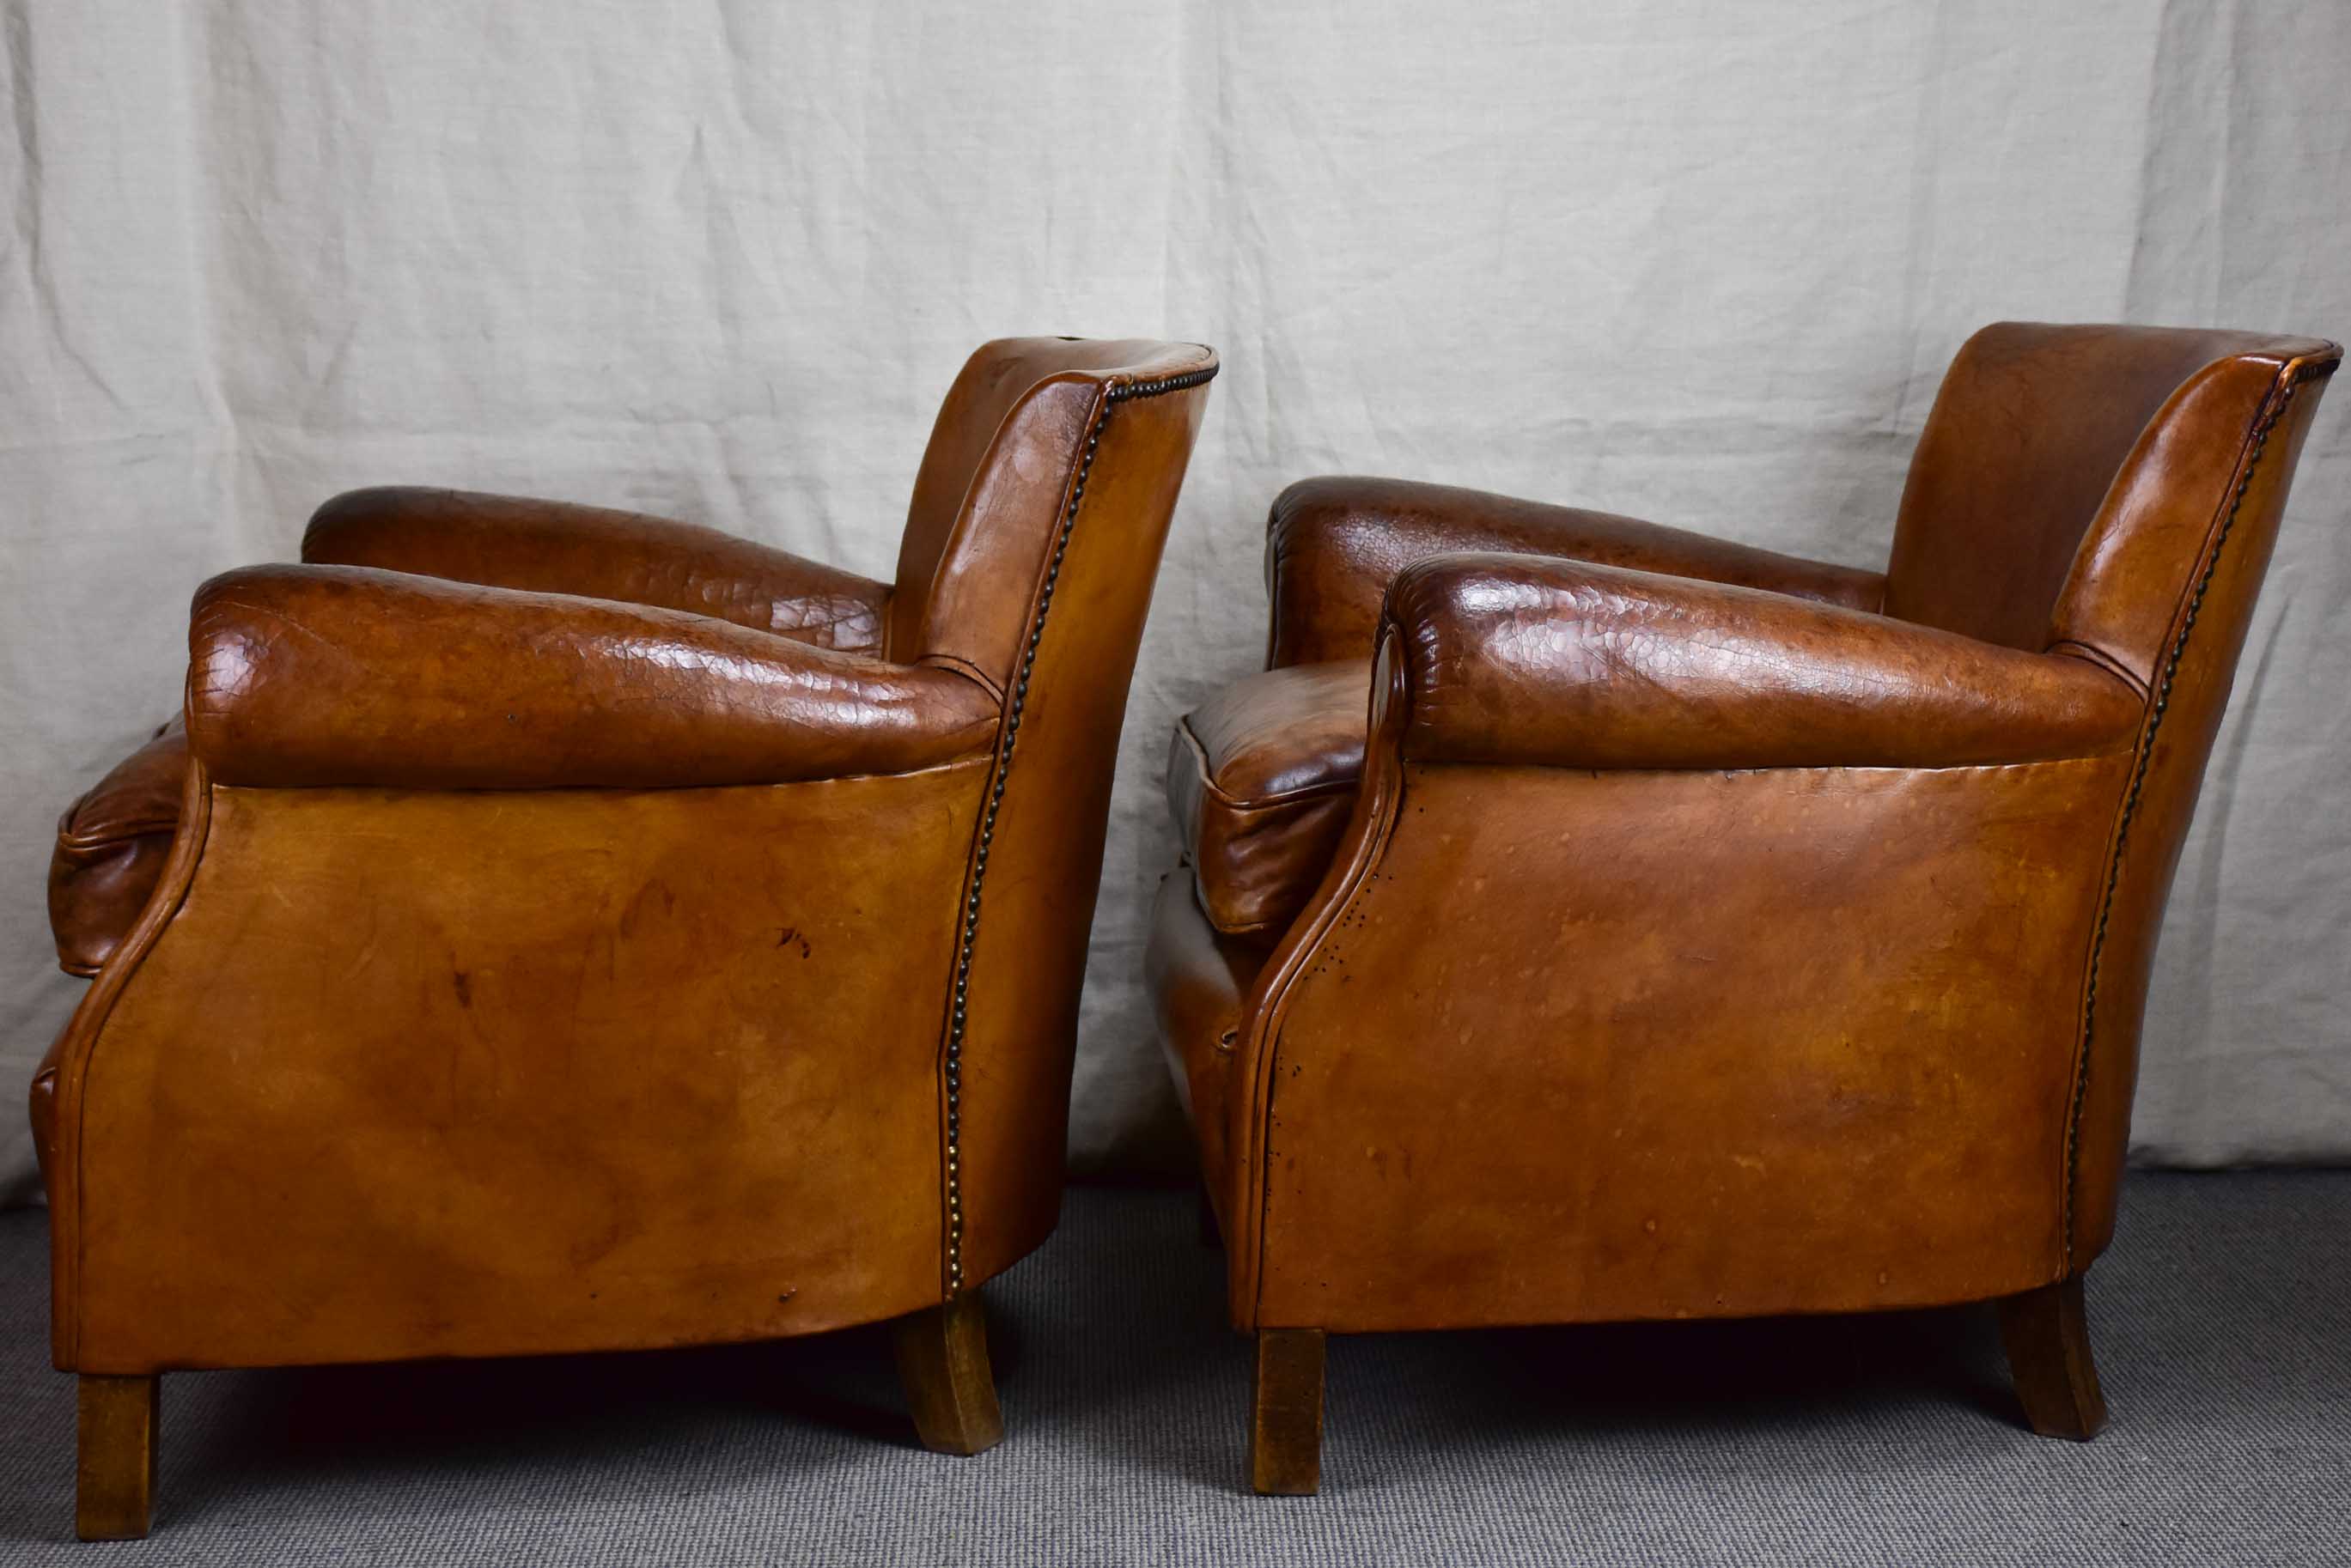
[[1261, 779], [306, 676], [1716, 934], [573, 935], [1566, 664], [548, 546], [1332, 545]]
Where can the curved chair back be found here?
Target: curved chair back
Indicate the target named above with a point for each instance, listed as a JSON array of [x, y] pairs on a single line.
[[2115, 492], [1031, 545]]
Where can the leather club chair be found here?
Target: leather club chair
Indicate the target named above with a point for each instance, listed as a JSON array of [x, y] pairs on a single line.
[[1586, 920], [559, 929]]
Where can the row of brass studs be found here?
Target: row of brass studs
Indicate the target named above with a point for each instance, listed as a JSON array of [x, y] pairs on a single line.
[[1120, 392], [2139, 779]]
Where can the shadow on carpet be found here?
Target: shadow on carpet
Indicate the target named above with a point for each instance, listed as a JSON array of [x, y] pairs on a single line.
[[2220, 1320]]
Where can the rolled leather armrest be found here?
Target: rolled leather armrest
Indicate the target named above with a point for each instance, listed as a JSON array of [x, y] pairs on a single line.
[[344, 675], [1334, 545], [1513, 658], [551, 546]]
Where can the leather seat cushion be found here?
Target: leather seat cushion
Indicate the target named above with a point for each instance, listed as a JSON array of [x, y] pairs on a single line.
[[111, 846], [1263, 779]]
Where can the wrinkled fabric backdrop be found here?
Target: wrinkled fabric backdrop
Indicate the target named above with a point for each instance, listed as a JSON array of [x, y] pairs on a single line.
[[1700, 263]]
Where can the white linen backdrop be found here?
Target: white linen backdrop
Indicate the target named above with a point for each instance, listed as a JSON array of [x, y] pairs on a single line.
[[1702, 262]]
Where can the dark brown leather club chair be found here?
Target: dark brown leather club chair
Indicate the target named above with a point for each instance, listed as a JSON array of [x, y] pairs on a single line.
[[1694, 931], [559, 929]]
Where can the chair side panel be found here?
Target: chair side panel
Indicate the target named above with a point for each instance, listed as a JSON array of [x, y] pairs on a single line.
[[468, 1075], [1650, 1045]]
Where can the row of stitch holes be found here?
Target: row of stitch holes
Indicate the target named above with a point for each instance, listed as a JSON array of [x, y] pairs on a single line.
[[1118, 393], [979, 874], [2131, 804]]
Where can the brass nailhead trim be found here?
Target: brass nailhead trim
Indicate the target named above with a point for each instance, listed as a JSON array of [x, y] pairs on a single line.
[[2309, 372], [1119, 392]]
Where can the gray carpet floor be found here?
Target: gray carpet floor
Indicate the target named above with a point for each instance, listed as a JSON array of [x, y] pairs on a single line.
[[2222, 1316]]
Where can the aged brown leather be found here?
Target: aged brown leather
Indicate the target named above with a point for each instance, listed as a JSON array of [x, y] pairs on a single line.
[[1333, 545], [1513, 659], [425, 1046], [111, 849], [561, 1069], [1065, 699], [1694, 949], [1261, 779], [548, 547], [1572, 664], [1332, 548], [1197, 979], [343, 675], [1994, 515], [106, 863]]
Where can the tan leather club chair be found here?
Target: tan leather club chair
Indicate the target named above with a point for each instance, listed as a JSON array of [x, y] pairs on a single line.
[[559, 929], [1693, 931]]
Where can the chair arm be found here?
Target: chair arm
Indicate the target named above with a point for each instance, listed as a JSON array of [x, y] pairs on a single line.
[[550, 546], [342, 675], [1567, 664], [1332, 545]]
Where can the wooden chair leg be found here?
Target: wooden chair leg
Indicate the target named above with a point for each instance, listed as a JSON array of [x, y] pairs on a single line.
[[1285, 1450], [943, 1363], [2048, 1340], [114, 1479]]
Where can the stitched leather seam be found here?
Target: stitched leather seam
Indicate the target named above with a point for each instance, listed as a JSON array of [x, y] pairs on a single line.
[[1114, 393], [965, 667], [1268, 801], [1199, 754], [2266, 422], [76, 1050], [1275, 802], [1252, 928], [114, 833], [2073, 647], [1240, 805], [1385, 773]]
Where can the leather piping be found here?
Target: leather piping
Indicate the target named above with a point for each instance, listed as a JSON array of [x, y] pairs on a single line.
[[1255, 802], [965, 667], [107, 834], [2309, 370], [2073, 648], [1268, 1003], [1114, 392], [77, 1045]]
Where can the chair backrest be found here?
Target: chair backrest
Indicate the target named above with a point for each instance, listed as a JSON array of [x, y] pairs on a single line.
[[1010, 428], [2114, 492], [1031, 546], [2027, 443]]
